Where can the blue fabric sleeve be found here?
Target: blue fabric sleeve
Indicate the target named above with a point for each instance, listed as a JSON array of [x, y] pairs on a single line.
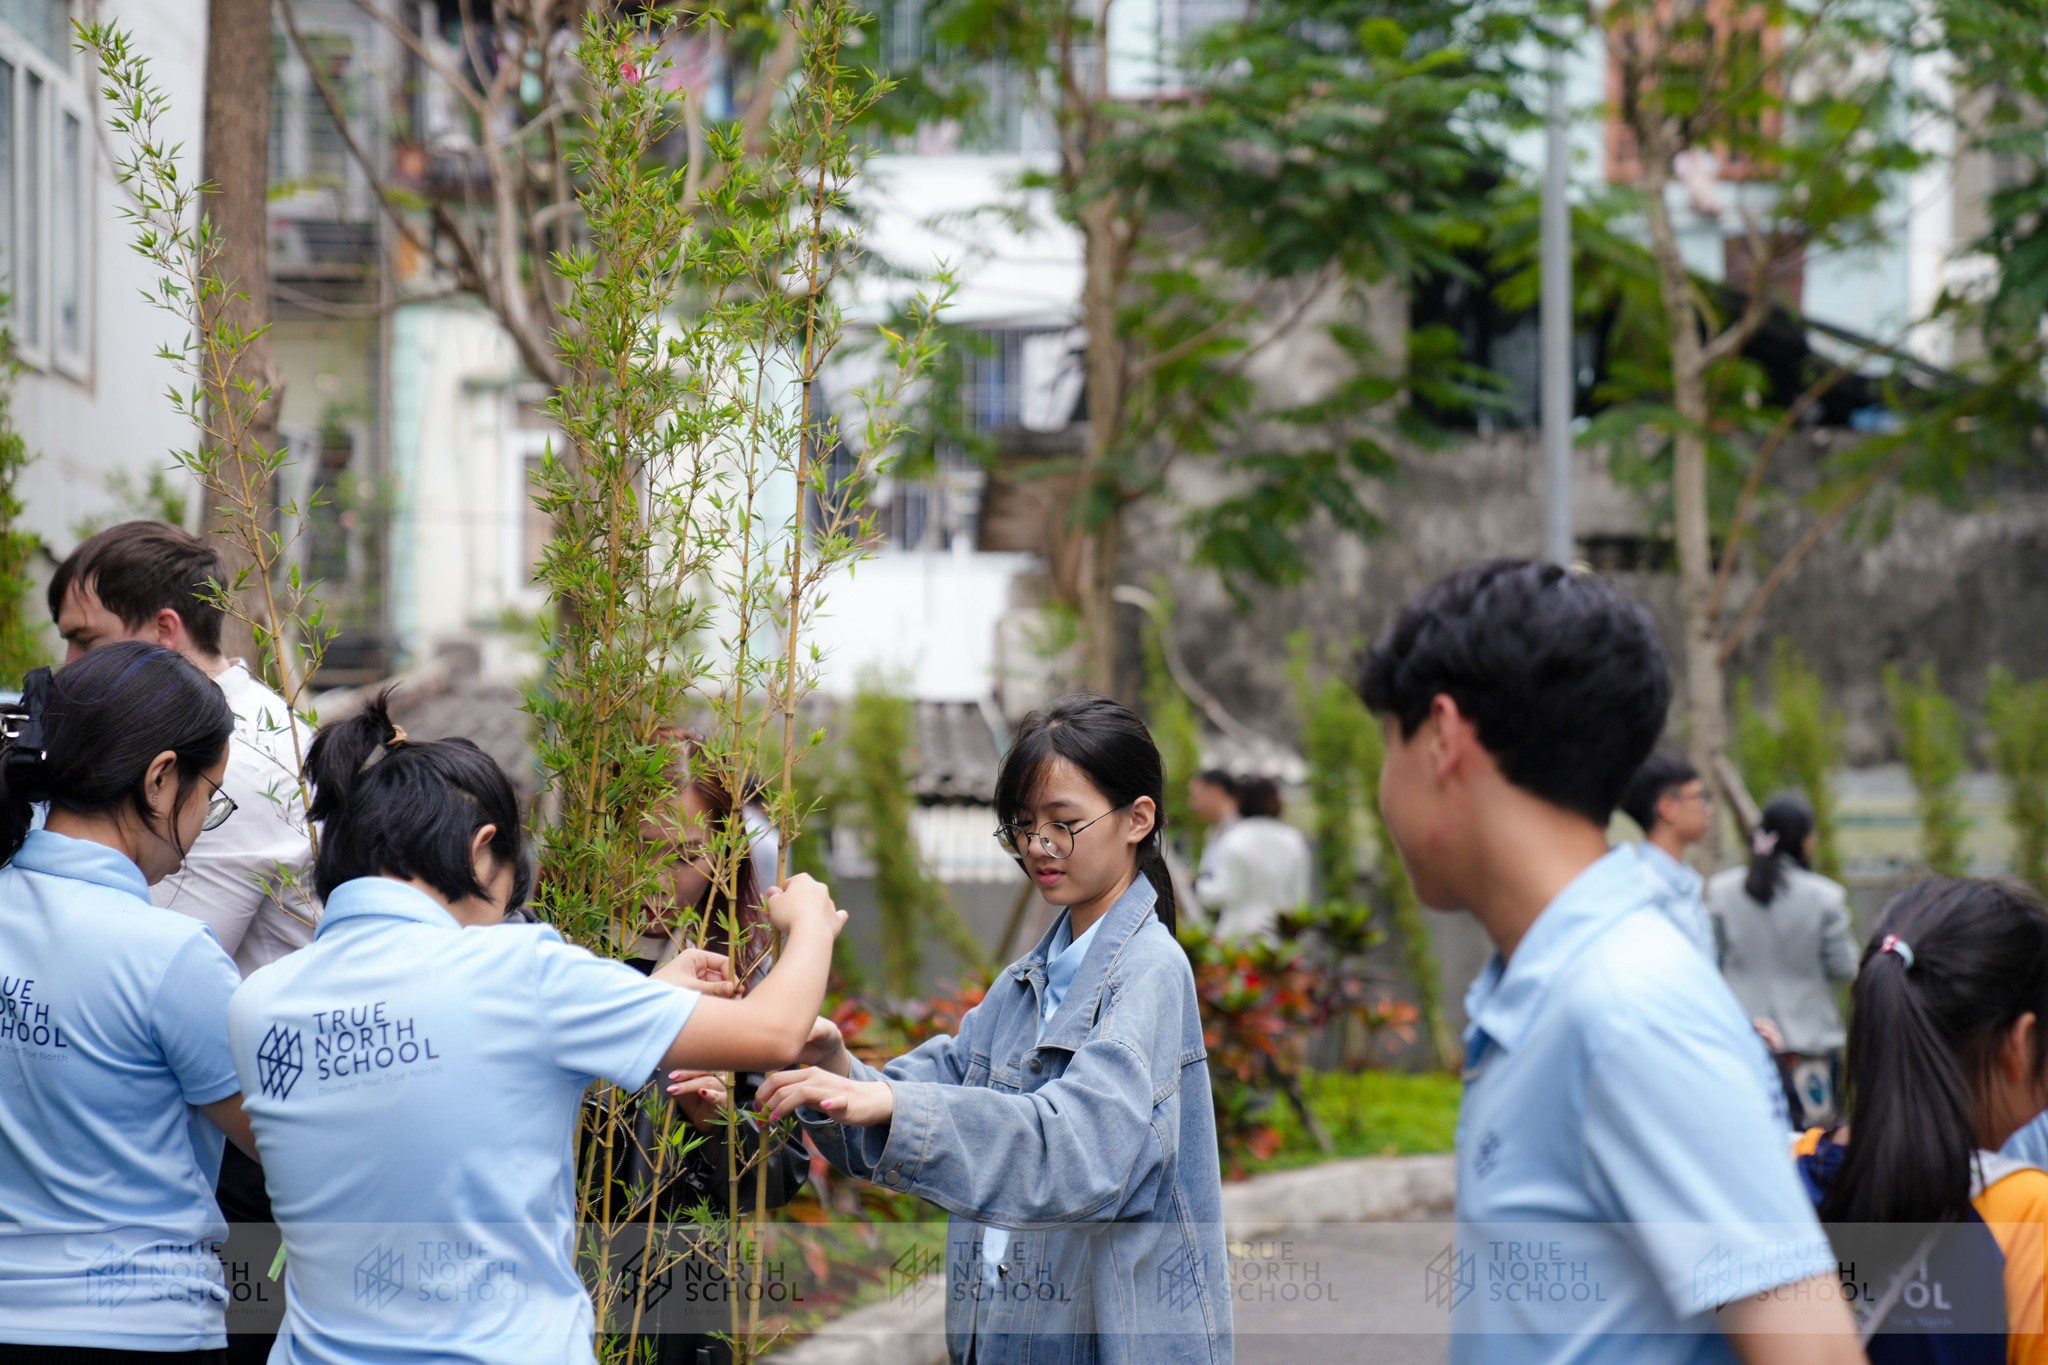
[[1682, 1148], [189, 1017], [940, 1060], [602, 1018]]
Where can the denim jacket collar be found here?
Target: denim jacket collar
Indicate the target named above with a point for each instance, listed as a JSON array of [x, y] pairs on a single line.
[[1071, 1025]]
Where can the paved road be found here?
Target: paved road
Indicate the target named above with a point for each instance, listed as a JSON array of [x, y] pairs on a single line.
[[1346, 1295]]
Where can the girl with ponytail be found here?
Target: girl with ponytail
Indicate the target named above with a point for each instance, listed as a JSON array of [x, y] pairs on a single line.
[[413, 1083], [1947, 1060], [113, 1015], [1067, 1126], [1786, 944]]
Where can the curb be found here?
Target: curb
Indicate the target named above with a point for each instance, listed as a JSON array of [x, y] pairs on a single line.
[[1381, 1189]]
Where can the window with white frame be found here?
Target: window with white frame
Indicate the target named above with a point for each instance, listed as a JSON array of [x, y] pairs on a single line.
[[529, 432], [45, 181]]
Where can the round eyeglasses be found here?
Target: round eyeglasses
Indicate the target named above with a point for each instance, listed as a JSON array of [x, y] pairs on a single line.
[[218, 809], [1055, 838]]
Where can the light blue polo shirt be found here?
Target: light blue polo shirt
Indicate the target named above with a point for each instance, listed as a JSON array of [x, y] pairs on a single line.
[[1621, 1170], [1680, 896], [113, 1023], [415, 1087], [1065, 956]]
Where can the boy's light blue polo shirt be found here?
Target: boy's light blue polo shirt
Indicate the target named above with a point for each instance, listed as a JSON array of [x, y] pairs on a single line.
[[415, 1087], [113, 1023], [1621, 1170], [1680, 896]]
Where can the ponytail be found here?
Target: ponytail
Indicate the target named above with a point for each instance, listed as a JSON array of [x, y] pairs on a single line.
[[1152, 863], [1952, 967], [83, 739], [1781, 835], [391, 806]]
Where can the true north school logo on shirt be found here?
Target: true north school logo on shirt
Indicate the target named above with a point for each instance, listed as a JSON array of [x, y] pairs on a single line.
[[25, 1022], [360, 1042]]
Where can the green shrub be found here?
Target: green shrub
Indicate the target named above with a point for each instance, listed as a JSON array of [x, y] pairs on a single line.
[[1796, 746], [1171, 717], [874, 789], [1931, 743], [2017, 715]]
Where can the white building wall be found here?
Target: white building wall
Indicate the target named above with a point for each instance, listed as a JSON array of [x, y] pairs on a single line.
[[109, 413]]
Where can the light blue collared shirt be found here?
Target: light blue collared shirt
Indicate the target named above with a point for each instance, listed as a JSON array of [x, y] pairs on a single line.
[[1063, 962], [1679, 896], [1621, 1171], [113, 1025], [415, 1087]]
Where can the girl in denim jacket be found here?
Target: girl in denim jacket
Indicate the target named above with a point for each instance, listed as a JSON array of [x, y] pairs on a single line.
[[1067, 1127]]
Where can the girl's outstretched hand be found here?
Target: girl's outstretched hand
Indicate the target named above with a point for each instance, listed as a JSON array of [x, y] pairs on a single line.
[[825, 1047], [698, 969], [863, 1104]]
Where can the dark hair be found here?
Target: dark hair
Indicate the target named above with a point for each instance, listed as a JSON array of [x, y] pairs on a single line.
[[1656, 779], [1781, 834], [1564, 678], [83, 738], [1219, 779], [750, 938], [1259, 796], [1112, 747], [390, 806], [1924, 1029], [140, 568]]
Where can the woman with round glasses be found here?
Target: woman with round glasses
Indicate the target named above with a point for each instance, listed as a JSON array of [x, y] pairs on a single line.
[[116, 1083], [1068, 1126]]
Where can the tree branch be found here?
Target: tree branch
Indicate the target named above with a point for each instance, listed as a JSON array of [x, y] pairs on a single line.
[[1806, 545]]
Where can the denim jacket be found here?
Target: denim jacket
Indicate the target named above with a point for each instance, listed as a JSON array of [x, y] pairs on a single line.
[[1094, 1144]]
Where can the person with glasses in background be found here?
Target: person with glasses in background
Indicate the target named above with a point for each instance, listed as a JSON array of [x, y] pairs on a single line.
[[251, 879], [116, 1082], [1670, 803]]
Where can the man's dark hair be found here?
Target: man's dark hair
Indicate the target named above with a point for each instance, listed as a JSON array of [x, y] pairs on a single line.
[[1655, 780], [1564, 678], [1258, 796], [139, 568], [1219, 779]]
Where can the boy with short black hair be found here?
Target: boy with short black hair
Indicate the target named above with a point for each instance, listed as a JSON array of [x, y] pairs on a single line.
[[1670, 803], [1613, 1139]]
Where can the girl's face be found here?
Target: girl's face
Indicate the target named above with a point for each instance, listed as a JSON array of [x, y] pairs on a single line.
[[1100, 842]]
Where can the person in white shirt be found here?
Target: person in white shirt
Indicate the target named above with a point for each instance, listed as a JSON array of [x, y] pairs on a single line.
[[250, 879], [1670, 802], [1257, 869]]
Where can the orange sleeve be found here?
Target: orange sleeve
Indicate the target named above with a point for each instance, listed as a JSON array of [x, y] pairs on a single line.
[[2016, 1211]]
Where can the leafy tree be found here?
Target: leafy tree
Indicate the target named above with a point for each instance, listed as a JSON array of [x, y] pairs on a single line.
[[1796, 745], [2017, 715], [1811, 116], [1288, 161], [1931, 742]]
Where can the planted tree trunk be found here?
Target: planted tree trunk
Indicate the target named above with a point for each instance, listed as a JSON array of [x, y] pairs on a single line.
[[236, 154]]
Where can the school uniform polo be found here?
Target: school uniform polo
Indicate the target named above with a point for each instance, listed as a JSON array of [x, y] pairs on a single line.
[[414, 1087], [1622, 1171], [113, 1024], [1681, 896]]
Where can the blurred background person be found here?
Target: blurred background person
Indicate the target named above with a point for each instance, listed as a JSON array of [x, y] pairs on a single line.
[[1258, 868], [1669, 800], [1786, 942]]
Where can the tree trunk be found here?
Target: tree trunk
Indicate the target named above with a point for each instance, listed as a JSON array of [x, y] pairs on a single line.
[[1705, 687], [1101, 524], [236, 158]]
